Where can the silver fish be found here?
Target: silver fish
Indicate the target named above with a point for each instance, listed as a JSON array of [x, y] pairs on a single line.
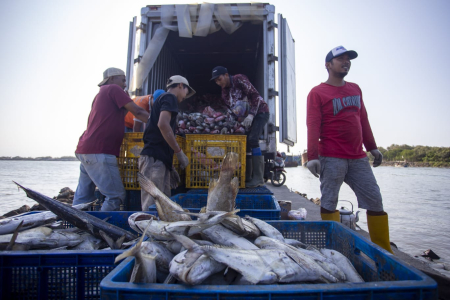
[[159, 229], [164, 205], [77, 217], [222, 192], [312, 269], [194, 269], [344, 264], [8, 225], [89, 243], [144, 269], [223, 236], [44, 237], [266, 228]]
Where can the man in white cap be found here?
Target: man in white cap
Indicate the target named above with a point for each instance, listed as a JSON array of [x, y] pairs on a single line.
[[99, 145], [155, 162], [338, 126]]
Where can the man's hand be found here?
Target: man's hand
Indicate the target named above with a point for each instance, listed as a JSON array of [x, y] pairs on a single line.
[[248, 121], [314, 167], [182, 159], [378, 157]]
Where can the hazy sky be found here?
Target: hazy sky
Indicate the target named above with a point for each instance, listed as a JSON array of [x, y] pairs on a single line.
[[53, 53]]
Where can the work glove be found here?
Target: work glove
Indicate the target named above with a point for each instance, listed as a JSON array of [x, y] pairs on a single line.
[[314, 167], [174, 178], [182, 159], [378, 157], [248, 121], [224, 130]]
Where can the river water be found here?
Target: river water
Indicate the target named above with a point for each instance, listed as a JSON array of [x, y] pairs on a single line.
[[416, 199]]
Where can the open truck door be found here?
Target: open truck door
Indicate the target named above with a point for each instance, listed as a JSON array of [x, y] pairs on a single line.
[[286, 84]]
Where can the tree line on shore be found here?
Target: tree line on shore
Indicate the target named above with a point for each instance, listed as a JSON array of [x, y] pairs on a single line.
[[431, 156], [42, 158]]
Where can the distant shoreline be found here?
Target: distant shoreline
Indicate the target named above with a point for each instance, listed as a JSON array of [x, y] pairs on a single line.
[[46, 158]]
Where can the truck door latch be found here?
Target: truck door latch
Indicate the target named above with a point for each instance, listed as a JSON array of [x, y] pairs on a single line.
[[272, 58], [272, 93]]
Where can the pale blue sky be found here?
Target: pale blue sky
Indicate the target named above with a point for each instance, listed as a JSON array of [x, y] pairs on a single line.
[[53, 53]]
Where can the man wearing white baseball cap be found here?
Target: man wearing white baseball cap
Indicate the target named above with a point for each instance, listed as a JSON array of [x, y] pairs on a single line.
[[155, 161], [338, 127], [99, 145]]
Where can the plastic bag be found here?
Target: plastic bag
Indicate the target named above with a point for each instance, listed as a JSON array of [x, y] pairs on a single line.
[[299, 214]]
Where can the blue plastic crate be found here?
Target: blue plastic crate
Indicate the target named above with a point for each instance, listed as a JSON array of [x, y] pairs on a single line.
[[264, 207], [386, 276], [263, 190], [61, 274]]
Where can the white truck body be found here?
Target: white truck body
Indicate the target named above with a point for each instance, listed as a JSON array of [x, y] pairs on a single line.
[[190, 40]]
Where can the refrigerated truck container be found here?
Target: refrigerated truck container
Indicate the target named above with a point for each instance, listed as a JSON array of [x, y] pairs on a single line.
[[190, 40]]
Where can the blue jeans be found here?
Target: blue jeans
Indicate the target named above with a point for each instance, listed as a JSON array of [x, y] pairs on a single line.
[[128, 129], [102, 171]]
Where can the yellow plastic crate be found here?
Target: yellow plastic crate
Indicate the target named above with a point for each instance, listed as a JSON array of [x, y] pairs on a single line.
[[130, 150], [206, 153]]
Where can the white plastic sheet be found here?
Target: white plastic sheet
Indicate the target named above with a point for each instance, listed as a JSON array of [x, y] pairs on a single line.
[[187, 26]]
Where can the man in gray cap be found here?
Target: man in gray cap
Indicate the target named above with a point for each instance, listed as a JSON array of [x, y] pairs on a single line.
[[99, 145], [155, 162], [338, 126]]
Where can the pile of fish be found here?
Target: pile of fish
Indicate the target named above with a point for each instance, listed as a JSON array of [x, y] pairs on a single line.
[[45, 230], [220, 248], [209, 121]]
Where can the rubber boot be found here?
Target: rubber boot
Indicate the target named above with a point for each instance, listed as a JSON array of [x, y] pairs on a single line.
[[335, 216], [248, 168], [258, 172], [379, 231]]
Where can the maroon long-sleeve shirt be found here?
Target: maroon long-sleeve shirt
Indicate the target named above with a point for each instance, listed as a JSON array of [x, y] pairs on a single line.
[[240, 88], [337, 122]]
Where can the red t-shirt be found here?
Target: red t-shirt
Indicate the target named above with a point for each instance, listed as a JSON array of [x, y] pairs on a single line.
[[105, 129], [143, 102], [337, 122]]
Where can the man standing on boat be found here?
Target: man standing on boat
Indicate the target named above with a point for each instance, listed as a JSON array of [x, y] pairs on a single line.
[[338, 126], [99, 145]]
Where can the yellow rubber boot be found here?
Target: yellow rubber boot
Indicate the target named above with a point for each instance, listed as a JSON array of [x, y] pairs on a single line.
[[379, 231], [335, 216]]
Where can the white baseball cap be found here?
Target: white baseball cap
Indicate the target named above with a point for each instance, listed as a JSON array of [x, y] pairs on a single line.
[[338, 51], [109, 73], [180, 79]]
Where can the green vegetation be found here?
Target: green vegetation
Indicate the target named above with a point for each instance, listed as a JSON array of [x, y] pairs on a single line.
[[430, 156]]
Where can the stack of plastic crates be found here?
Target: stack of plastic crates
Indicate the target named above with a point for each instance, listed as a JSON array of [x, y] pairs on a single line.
[[59, 274], [206, 153], [130, 150]]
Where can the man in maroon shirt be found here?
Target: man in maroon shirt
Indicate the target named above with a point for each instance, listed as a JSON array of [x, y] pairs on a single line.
[[99, 145], [338, 126], [236, 91]]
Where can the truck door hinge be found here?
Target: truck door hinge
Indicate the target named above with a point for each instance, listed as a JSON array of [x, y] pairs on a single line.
[[272, 58], [138, 59], [272, 93], [271, 24], [271, 128], [142, 27]]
